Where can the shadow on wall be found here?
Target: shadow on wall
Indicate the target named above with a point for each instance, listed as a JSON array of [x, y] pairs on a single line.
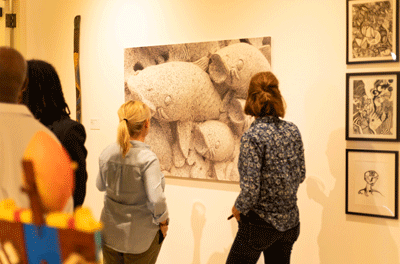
[[347, 238], [198, 222], [221, 256]]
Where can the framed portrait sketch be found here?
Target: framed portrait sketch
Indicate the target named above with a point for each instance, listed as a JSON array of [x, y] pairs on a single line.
[[372, 183], [371, 106], [372, 31]]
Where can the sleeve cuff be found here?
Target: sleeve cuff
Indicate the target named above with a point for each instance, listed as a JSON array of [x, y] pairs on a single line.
[[161, 218], [241, 208]]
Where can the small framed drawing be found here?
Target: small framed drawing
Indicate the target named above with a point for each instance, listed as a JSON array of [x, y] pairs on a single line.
[[372, 105], [372, 31], [372, 183]]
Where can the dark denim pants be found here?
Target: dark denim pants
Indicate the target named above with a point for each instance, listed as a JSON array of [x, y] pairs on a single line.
[[255, 236]]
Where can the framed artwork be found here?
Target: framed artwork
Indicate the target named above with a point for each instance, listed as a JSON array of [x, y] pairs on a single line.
[[196, 92], [372, 183], [372, 31], [371, 106]]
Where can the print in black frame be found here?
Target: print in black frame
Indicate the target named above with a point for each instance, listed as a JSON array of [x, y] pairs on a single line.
[[372, 31], [372, 106], [372, 183]]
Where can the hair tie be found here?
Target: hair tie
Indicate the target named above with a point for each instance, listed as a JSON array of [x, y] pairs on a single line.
[[126, 119]]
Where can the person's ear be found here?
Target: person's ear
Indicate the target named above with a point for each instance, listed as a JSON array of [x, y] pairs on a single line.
[[23, 89]]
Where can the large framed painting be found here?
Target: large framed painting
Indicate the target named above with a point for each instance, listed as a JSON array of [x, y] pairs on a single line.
[[196, 92], [371, 106], [372, 183], [372, 31]]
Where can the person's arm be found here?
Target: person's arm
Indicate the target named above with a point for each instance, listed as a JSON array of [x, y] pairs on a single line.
[[300, 153], [249, 165], [100, 181], [153, 180]]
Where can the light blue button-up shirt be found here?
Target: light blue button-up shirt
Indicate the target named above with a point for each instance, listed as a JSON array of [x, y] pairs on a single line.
[[134, 202]]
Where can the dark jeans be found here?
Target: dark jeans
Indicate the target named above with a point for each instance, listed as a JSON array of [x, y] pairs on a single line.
[[255, 236]]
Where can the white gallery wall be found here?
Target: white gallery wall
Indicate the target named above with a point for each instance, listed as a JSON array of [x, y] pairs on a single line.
[[309, 59]]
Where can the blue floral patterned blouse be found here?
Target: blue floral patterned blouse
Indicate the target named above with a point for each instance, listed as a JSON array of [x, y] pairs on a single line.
[[271, 167]]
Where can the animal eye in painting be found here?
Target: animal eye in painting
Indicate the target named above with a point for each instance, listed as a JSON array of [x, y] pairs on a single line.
[[240, 65], [168, 100], [138, 66]]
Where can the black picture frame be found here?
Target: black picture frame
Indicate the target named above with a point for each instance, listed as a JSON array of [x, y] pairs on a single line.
[[377, 172], [372, 34], [372, 101]]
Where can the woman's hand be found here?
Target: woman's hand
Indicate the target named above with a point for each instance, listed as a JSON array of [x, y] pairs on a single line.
[[164, 230], [164, 227], [236, 213]]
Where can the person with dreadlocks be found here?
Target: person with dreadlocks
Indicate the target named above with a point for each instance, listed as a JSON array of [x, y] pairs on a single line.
[[45, 99]]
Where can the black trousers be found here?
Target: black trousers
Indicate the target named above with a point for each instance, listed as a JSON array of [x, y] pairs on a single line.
[[255, 236]]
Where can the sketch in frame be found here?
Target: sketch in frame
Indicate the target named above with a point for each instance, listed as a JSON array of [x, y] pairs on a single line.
[[372, 31], [372, 183], [372, 106], [196, 92]]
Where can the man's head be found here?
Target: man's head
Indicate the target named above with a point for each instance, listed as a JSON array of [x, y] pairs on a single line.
[[12, 74]]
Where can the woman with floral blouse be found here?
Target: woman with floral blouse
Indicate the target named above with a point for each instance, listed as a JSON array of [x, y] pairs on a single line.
[[271, 167]]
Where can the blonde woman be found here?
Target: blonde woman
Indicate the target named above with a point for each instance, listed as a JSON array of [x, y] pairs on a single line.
[[135, 213]]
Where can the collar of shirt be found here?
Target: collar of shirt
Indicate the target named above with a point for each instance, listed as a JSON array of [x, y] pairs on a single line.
[[266, 119], [14, 109], [136, 144]]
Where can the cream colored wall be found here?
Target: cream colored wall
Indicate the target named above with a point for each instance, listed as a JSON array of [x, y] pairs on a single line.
[[308, 57], [3, 34], [14, 37]]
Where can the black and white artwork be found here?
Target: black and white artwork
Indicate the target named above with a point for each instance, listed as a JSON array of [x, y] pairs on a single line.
[[371, 106], [196, 92], [372, 31], [372, 183], [370, 177]]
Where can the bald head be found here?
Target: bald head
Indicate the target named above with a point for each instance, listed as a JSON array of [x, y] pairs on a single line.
[[12, 74]]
